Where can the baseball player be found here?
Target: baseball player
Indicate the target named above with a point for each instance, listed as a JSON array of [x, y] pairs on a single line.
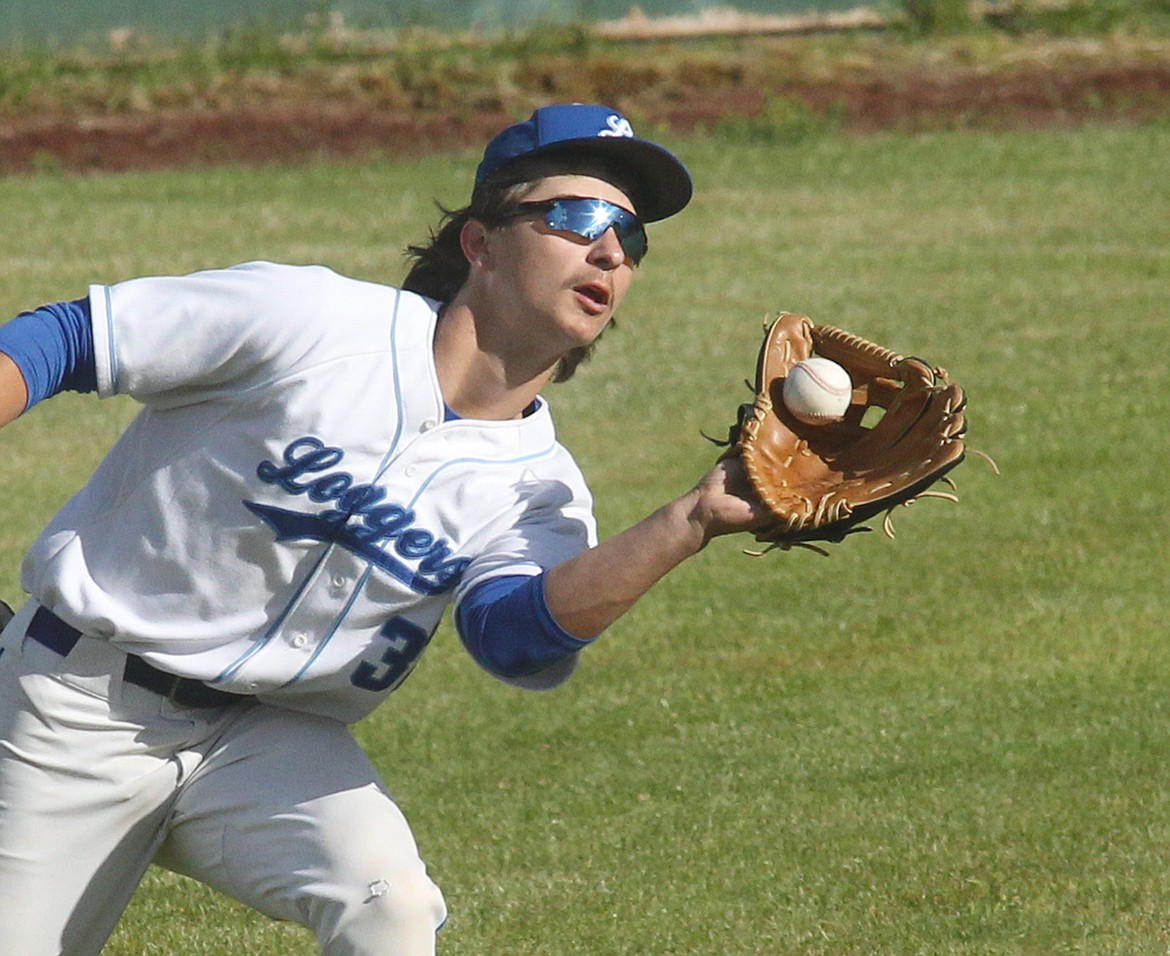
[[321, 466]]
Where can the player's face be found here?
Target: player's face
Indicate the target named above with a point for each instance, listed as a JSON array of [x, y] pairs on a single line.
[[566, 285]]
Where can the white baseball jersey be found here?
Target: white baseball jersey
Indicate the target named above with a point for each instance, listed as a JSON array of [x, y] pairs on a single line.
[[289, 515]]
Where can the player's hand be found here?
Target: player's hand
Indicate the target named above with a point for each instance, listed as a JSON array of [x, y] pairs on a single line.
[[586, 596], [724, 503]]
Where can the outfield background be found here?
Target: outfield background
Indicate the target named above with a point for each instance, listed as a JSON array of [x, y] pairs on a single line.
[[64, 21]]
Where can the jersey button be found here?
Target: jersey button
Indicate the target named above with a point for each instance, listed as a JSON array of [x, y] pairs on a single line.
[[299, 640], [410, 471]]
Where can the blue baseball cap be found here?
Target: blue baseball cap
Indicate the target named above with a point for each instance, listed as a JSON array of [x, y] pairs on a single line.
[[659, 183]]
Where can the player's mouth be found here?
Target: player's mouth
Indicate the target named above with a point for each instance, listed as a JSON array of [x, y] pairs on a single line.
[[593, 296]]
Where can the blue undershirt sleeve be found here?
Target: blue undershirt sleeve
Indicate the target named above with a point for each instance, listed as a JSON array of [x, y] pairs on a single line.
[[53, 348], [506, 625]]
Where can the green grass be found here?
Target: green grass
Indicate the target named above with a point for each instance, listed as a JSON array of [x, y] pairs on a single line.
[[950, 743]]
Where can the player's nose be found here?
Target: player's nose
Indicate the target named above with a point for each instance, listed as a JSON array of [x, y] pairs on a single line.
[[606, 250]]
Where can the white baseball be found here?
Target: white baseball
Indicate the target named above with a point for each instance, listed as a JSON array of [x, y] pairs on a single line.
[[818, 390]]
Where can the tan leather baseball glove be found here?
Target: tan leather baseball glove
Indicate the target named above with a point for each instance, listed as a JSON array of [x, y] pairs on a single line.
[[903, 431]]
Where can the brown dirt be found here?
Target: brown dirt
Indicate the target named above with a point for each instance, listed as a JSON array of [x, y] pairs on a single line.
[[1023, 96]]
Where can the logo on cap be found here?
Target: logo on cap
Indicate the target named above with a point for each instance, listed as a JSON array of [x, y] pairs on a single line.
[[618, 126]]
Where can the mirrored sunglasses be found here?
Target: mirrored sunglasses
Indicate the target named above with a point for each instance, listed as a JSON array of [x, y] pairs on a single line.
[[589, 219]]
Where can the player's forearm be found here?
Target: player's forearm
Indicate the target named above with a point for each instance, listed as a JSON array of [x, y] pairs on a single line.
[[13, 390], [592, 590]]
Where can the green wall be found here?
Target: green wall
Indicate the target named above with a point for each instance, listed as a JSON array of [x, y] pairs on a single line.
[[35, 22]]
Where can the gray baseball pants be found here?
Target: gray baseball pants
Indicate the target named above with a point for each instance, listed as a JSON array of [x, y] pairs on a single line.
[[280, 810]]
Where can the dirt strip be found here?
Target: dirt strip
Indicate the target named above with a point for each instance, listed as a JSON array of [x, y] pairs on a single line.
[[290, 131]]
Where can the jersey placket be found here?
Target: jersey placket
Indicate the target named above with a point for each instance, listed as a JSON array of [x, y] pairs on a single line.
[[378, 532]]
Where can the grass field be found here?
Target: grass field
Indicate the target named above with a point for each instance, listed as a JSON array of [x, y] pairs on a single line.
[[954, 742]]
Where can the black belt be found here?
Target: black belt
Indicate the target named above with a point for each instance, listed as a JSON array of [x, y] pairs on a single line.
[[49, 630]]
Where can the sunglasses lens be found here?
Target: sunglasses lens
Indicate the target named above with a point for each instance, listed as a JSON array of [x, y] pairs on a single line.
[[590, 218], [634, 243]]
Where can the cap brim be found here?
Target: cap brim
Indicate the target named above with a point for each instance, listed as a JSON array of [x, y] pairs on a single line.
[[658, 182]]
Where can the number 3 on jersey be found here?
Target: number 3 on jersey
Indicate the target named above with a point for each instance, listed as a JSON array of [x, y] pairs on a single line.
[[406, 642]]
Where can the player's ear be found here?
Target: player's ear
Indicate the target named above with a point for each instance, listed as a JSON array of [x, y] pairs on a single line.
[[473, 239]]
